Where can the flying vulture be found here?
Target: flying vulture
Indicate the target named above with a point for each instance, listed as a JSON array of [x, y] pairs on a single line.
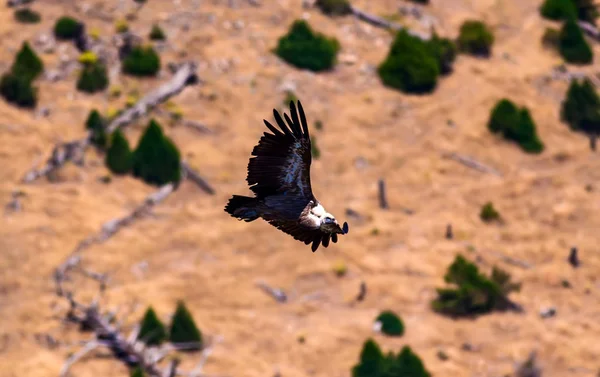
[[279, 176]]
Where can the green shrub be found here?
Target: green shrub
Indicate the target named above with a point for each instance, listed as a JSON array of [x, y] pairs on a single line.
[[306, 49], [475, 38], [27, 64], [137, 372], [586, 10], [142, 61], [488, 213], [119, 158], [18, 90], [157, 34], [391, 324], [445, 52], [152, 330], [334, 7], [410, 65], [572, 44], [474, 294], [67, 28], [314, 148], [184, 329], [581, 109], [515, 125], [96, 123], [156, 160], [27, 16], [93, 78], [558, 10], [551, 39], [373, 363]]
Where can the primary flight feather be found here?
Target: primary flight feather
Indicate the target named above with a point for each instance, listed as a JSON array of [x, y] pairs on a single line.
[[279, 176]]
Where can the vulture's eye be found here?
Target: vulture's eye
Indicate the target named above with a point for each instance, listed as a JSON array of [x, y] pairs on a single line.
[[328, 220]]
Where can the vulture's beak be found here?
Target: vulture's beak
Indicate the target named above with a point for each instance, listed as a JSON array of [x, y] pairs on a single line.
[[343, 229]]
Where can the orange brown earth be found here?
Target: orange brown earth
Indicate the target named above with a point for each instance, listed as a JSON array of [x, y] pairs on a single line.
[[194, 251]]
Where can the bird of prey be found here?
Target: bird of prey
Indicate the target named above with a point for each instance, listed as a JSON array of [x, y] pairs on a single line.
[[279, 176]]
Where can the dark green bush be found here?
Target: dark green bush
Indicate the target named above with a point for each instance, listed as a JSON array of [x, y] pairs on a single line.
[[515, 125], [137, 372], [586, 10], [558, 10], [445, 51], [572, 44], [474, 294], [373, 363], [551, 39], [475, 38], [184, 329], [142, 61], [410, 65], [581, 109], [306, 49], [334, 7], [18, 90], [488, 213], [391, 324], [156, 160], [119, 158], [93, 78], [157, 34], [27, 16], [96, 123], [67, 28], [27, 64], [152, 330]]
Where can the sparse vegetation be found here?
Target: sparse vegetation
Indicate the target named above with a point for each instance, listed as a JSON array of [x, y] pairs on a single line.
[[334, 7], [558, 10], [474, 294], [96, 124], [581, 109], [340, 269], [314, 148], [551, 39], [475, 38], [183, 328], [306, 49], [410, 65], [157, 34], [67, 28], [572, 44], [391, 324], [515, 125], [156, 160], [93, 77], [152, 330], [119, 158], [445, 51], [489, 213], [373, 363], [27, 16], [142, 61]]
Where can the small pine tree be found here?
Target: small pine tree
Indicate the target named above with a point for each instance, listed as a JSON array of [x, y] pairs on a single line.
[[391, 324], [558, 10], [183, 328], [581, 110], [475, 38], [93, 78], [407, 363], [142, 61], [152, 330], [505, 115], [526, 133], [67, 28], [27, 16], [572, 44], [27, 64], [306, 49], [410, 65], [18, 90], [157, 34], [334, 7], [96, 123], [156, 160], [119, 158], [515, 125], [374, 364], [371, 362]]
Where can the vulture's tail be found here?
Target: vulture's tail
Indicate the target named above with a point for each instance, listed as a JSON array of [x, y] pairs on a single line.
[[243, 208]]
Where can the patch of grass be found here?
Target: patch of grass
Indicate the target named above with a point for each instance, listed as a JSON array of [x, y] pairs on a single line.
[[157, 34]]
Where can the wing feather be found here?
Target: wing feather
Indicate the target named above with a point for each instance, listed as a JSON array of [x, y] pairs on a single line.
[[303, 233]]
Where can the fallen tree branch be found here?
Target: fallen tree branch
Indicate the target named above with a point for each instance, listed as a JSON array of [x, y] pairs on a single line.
[[70, 151], [383, 23], [511, 260], [278, 294], [471, 163], [195, 177], [590, 30]]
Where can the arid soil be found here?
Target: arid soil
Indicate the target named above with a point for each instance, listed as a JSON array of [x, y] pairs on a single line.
[[190, 249]]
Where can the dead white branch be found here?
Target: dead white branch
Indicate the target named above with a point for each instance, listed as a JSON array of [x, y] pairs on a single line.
[[383, 23], [471, 163]]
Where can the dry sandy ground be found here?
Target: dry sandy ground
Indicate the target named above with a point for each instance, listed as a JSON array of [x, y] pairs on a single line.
[[194, 251]]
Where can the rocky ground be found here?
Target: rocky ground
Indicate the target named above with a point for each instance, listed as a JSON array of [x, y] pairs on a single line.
[[190, 249]]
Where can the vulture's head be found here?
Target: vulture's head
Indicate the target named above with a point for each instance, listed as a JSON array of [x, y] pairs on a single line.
[[328, 223]]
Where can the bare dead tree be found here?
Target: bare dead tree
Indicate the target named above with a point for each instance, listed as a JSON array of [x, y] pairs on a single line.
[[383, 203]]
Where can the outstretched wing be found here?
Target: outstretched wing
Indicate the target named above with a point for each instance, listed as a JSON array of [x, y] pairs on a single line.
[[305, 234], [282, 158]]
